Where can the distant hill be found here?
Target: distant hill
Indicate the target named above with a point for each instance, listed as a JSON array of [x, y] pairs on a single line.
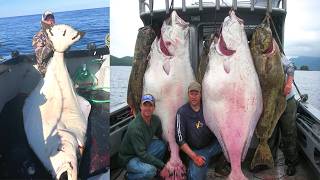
[[313, 63], [124, 61]]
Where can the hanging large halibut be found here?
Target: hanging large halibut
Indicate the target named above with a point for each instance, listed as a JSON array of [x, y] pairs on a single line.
[[167, 78], [55, 117], [232, 97], [267, 60]]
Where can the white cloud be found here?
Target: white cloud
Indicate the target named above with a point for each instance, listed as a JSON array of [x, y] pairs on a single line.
[[124, 24], [302, 28]]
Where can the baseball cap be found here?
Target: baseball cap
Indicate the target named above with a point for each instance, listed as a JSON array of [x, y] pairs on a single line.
[[46, 14], [147, 98], [194, 86]]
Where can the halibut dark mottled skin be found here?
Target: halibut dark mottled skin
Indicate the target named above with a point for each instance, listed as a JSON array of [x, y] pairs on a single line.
[[145, 37], [267, 60]]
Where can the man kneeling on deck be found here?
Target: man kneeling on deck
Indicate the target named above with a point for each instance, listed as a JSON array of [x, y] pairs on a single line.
[[140, 153], [193, 135]]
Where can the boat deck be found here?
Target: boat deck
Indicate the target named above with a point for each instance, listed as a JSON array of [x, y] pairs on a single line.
[[17, 158], [304, 171]]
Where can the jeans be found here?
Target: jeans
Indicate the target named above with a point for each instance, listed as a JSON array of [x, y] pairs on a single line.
[[199, 173], [139, 170]]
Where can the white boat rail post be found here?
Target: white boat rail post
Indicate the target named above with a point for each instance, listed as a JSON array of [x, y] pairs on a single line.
[[183, 5], [151, 8], [217, 5], [252, 5], [200, 5], [234, 4], [167, 6], [142, 7], [269, 6], [284, 5]]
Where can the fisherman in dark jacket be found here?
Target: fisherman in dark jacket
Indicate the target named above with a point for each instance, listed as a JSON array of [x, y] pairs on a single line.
[[287, 121], [41, 43], [140, 152], [193, 135]]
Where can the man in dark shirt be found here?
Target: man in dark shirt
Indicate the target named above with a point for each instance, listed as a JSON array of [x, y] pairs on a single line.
[[287, 121], [193, 135], [140, 152]]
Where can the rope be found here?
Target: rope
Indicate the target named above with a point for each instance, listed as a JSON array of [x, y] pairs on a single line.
[[225, 3], [170, 10], [275, 30], [266, 18], [171, 6]]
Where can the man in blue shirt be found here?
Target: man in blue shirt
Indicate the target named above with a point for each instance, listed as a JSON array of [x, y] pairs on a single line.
[[193, 135]]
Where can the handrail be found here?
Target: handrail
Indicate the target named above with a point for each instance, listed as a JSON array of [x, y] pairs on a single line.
[[252, 5], [217, 4], [167, 7], [234, 4], [269, 6]]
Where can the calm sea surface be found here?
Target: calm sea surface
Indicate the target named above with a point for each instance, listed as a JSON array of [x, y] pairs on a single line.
[[16, 32], [308, 82]]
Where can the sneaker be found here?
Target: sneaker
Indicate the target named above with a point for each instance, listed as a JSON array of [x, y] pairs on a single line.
[[291, 170], [222, 171]]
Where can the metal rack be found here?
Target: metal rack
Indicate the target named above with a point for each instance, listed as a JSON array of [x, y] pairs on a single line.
[[270, 5], [206, 18]]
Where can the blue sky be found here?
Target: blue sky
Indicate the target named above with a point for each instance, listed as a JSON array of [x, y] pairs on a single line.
[[10, 8]]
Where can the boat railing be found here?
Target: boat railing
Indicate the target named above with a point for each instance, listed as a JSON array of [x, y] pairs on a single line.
[[206, 17], [252, 4]]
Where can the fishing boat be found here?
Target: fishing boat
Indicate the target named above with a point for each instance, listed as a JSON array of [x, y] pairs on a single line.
[[18, 77], [205, 18]]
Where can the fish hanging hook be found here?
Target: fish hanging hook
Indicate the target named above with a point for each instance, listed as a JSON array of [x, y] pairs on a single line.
[[277, 35], [266, 20], [171, 6]]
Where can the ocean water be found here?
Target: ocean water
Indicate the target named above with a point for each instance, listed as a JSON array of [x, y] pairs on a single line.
[[16, 33], [119, 76], [308, 82]]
